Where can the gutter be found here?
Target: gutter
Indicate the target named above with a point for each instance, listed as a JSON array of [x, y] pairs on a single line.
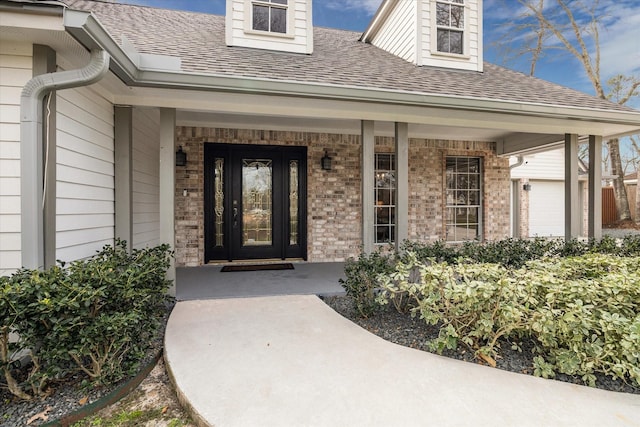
[[31, 148]]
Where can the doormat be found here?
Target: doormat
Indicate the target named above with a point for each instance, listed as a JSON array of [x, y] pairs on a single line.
[[257, 267]]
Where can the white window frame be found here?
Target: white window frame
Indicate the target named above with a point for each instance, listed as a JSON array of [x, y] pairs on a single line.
[[478, 206], [464, 30], [289, 7]]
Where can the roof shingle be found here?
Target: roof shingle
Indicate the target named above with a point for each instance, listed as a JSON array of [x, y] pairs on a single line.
[[338, 59]]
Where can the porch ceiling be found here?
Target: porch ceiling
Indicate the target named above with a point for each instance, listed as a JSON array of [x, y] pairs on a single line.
[[342, 126]]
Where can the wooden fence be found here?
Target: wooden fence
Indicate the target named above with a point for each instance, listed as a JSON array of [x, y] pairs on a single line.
[[609, 211]]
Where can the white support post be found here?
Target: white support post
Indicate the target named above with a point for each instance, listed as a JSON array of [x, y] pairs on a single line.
[[595, 187], [123, 132], [368, 177], [167, 184], [402, 183], [571, 195]]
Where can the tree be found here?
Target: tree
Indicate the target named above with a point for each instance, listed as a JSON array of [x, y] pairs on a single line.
[[573, 26]]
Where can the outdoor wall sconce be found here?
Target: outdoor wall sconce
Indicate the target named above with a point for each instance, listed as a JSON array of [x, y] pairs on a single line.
[[325, 162], [181, 157], [526, 187]]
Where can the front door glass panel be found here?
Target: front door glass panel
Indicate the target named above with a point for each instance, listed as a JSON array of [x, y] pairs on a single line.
[[257, 212]]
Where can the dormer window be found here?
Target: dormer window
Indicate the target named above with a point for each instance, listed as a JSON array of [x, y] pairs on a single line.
[[450, 26], [269, 15]]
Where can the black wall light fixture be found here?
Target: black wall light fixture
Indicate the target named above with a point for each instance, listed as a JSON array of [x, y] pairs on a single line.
[[526, 187], [325, 162], [181, 157]]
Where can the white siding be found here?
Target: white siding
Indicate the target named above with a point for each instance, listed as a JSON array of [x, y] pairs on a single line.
[[546, 208], [398, 33], [146, 173], [298, 40], [548, 165], [15, 70], [84, 174], [472, 60]]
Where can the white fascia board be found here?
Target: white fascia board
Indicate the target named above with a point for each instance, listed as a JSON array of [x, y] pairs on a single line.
[[86, 29], [378, 20]]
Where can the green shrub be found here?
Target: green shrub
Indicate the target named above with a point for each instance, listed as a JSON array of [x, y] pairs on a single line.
[[583, 311], [97, 315], [361, 283], [474, 304]]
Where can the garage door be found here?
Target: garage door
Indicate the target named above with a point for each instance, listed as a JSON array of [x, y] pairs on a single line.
[[546, 208]]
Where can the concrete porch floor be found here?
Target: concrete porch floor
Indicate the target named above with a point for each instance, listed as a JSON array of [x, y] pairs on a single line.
[[208, 282], [293, 361]]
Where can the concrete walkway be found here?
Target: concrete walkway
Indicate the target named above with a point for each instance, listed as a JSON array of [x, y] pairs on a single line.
[[293, 361]]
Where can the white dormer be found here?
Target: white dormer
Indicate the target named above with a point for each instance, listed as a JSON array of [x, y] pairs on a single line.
[[438, 33], [282, 25]]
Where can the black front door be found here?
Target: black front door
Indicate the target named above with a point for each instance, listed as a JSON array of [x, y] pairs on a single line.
[[255, 202]]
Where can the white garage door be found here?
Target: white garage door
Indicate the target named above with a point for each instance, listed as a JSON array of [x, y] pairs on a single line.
[[546, 208]]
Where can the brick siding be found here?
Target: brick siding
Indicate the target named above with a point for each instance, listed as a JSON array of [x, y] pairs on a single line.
[[334, 202]]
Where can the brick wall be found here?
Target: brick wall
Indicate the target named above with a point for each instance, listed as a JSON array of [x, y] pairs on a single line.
[[334, 203]]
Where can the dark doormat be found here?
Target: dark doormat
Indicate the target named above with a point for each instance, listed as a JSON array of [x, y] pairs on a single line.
[[257, 267]]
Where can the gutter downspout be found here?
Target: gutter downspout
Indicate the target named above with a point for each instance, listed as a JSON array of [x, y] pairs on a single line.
[[518, 163], [31, 150]]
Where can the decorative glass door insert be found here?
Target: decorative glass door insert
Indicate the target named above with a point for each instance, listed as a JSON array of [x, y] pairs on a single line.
[[257, 212]]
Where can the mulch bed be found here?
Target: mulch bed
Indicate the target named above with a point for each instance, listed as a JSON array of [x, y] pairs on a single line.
[[415, 333]]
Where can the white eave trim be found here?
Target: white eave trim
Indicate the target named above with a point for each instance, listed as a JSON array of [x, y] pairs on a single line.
[[88, 31], [378, 19]]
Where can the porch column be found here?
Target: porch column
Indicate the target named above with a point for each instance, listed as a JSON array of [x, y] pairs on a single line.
[[167, 184], [595, 186], [368, 177], [571, 196], [123, 130], [402, 183]]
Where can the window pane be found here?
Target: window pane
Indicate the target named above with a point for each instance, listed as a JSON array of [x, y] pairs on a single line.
[[278, 20], [384, 188], [457, 17], [261, 18], [455, 42], [473, 215], [442, 14], [474, 198], [285, 1], [384, 162], [443, 40]]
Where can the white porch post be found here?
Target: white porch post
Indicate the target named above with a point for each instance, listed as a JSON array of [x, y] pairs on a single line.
[[368, 172], [571, 196], [402, 183], [595, 186], [167, 184], [123, 132]]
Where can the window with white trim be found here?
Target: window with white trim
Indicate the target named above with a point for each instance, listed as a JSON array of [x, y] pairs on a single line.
[[269, 15], [463, 198], [385, 198], [450, 26]]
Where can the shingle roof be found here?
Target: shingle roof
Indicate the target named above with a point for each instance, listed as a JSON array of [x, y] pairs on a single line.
[[338, 59]]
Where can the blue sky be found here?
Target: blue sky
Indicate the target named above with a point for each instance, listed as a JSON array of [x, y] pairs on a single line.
[[619, 40]]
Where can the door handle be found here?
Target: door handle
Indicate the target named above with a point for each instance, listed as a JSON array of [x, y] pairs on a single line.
[[235, 217]]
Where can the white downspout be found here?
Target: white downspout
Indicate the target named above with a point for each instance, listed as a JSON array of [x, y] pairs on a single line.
[[518, 163], [31, 173]]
